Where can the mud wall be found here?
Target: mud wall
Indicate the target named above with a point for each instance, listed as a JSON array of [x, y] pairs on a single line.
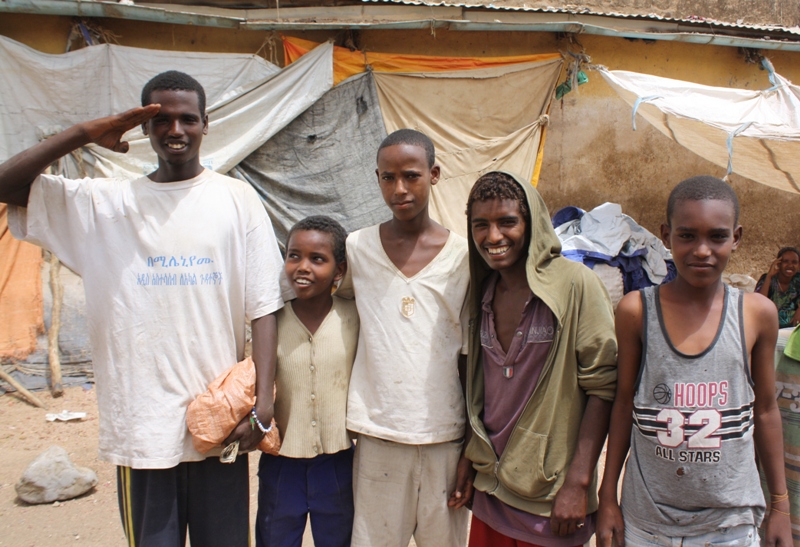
[[592, 155]]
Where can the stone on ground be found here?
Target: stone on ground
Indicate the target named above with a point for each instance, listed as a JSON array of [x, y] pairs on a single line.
[[52, 476]]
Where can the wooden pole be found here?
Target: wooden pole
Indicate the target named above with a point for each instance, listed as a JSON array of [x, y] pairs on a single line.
[[16, 385], [57, 289]]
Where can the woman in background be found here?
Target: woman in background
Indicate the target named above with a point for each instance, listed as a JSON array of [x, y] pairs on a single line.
[[781, 284]]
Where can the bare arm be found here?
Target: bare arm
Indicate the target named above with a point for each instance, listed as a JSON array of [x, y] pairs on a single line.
[[19, 172], [265, 345], [768, 433], [569, 507], [629, 339], [465, 474]]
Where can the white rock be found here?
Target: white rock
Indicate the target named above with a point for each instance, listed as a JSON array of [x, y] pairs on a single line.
[[52, 476]]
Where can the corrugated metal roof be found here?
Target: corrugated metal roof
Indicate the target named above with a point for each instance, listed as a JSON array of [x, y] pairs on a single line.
[[414, 14], [505, 5]]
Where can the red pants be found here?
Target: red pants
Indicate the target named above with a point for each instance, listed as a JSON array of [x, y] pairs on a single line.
[[482, 535]]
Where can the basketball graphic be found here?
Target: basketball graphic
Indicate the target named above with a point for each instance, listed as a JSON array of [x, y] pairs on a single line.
[[662, 394]]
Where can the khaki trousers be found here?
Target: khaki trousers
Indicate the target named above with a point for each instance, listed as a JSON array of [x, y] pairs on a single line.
[[402, 490]]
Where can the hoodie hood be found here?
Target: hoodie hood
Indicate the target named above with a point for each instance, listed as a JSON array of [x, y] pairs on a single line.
[[544, 249]]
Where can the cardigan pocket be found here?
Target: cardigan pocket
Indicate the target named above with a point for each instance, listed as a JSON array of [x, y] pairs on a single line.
[[522, 468]]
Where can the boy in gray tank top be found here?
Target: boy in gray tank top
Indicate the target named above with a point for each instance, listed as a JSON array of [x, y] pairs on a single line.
[[695, 395]]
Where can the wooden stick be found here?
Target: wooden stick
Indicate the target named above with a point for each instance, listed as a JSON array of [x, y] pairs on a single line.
[[16, 385], [53, 356]]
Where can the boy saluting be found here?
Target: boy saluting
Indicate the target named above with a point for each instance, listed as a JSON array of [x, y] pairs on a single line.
[[173, 264], [410, 280], [541, 374], [696, 395]]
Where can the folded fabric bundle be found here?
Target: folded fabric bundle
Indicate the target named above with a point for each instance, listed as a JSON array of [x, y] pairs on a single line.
[[229, 398]]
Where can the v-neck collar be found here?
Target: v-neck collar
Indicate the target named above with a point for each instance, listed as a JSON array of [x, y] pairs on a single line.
[[397, 270], [290, 308]]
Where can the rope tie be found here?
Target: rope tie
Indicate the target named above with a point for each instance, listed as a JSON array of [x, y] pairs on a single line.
[[731, 135], [640, 100]]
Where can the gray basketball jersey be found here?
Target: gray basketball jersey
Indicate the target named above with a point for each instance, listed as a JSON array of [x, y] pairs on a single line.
[[692, 464]]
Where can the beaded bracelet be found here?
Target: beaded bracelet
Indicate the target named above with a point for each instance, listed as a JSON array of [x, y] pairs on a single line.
[[254, 421]]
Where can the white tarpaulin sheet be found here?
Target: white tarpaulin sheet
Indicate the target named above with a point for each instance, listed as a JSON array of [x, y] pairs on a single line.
[[480, 121], [755, 134], [248, 99]]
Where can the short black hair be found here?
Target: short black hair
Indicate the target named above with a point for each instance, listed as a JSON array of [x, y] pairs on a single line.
[[414, 138], [702, 188], [324, 224], [173, 80], [785, 250], [498, 185]]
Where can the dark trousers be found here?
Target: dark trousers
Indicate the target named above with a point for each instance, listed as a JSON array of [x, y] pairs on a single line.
[[292, 489], [209, 498]]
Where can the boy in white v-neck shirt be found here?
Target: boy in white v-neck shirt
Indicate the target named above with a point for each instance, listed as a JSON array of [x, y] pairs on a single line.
[[410, 278]]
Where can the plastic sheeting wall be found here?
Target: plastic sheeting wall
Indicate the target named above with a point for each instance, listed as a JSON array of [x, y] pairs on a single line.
[[20, 293], [248, 100], [480, 120], [323, 163], [755, 134]]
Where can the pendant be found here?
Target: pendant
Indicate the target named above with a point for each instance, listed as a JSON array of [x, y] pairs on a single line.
[[407, 307], [508, 372]]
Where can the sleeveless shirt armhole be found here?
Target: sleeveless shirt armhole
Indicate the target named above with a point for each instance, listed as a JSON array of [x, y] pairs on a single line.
[[743, 342], [642, 359]]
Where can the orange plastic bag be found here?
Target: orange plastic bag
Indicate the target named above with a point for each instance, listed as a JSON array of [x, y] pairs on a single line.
[[229, 398]]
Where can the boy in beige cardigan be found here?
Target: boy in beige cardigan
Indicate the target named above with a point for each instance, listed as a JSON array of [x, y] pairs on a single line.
[[317, 337]]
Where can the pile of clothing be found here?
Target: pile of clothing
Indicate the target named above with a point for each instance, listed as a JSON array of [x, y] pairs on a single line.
[[626, 256]]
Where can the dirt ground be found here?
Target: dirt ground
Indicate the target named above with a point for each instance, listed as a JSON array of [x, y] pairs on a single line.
[[90, 520]]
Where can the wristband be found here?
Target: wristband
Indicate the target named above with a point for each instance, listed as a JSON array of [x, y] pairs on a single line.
[[254, 421], [777, 498]]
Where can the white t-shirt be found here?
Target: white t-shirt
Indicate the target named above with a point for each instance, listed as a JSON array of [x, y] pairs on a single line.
[[171, 271], [404, 386]]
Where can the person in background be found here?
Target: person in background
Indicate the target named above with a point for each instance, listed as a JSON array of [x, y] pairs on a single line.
[[781, 284]]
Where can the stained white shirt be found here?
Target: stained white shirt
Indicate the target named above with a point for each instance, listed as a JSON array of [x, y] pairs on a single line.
[[171, 272], [405, 386]]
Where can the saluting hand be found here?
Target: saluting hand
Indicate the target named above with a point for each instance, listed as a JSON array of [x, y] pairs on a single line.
[[107, 132]]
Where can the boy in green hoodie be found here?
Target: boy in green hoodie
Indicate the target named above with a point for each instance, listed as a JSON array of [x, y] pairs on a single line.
[[541, 373]]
